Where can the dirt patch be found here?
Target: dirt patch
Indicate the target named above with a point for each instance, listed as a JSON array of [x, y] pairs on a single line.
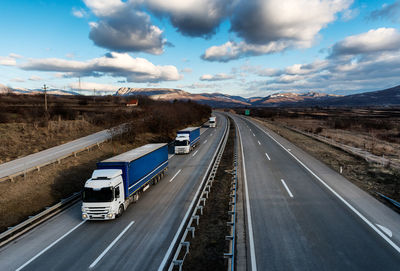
[[369, 177], [209, 245]]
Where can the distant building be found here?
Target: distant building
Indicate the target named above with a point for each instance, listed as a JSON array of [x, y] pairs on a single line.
[[133, 102]]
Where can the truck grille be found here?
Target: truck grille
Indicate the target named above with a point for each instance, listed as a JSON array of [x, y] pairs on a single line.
[[97, 210]]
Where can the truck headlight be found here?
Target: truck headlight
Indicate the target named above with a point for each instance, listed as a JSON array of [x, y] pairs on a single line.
[[109, 215], [84, 216]]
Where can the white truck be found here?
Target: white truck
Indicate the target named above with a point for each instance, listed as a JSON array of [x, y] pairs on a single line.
[[187, 139], [212, 122], [119, 180]]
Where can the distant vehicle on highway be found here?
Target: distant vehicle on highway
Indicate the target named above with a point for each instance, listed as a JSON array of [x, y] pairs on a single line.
[[212, 122], [119, 180], [187, 139]]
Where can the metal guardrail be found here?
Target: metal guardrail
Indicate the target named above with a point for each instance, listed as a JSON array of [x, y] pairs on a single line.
[[14, 232], [35, 161], [392, 201], [184, 245], [230, 255]]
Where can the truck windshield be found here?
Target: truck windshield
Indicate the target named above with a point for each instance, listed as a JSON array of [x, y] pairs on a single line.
[[212, 121], [181, 142], [103, 195]]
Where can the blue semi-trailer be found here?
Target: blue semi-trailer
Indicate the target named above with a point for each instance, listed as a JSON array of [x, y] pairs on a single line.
[[187, 139], [119, 180]]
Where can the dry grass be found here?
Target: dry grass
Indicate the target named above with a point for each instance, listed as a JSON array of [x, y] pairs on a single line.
[[20, 139], [363, 139], [369, 177]]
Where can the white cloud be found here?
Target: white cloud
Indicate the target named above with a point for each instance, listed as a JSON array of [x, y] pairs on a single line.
[[113, 64], [122, 27], [198, 18], [274, 20], [90, 86], [232, 50], [270, 26], [368, 61], [17, 80], [16, 56], [104, 7], [349, 14], [375, 40], [391, 11], [79, 13], [198, 85], [10, 60], [301, 69], [187, 70], [35, 78], [216, 77]]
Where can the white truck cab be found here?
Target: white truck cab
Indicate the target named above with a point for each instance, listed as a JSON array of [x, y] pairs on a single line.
[[103, 195], [182, 143], [212, 122]]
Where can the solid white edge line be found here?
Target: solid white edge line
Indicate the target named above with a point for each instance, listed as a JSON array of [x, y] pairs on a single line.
[[175, 175], [249, 221], [363, 218], [266, 154], [50, 246], [195, 153], [171, 246], [111, 245], [287, 188]]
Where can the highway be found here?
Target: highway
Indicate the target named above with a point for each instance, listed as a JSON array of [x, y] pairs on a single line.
[[297, 221], [139, 240]]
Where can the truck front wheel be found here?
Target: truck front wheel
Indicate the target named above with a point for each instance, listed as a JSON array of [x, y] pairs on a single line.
[[120, 210]]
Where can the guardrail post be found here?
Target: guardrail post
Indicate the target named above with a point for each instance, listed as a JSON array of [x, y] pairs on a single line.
[[191, 230], [200, 208], [197, 219], [187, 245]]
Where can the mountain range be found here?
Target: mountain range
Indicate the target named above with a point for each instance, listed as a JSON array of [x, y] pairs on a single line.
[[4, 89], [386, 97]]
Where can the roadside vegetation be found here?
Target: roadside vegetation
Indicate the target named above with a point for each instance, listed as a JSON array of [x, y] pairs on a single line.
[[150, 122], [376, 130]]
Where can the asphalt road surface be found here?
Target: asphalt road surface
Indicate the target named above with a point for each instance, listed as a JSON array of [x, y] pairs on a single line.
[[138, 240], [295, 222]]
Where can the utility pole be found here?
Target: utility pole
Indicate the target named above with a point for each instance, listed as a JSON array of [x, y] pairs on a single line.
[[45, 97], [94, 95]]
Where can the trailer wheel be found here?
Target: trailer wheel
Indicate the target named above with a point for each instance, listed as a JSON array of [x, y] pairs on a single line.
[[120, 210]]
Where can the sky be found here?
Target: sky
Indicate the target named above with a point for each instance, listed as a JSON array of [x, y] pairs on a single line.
[[237, 47]]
